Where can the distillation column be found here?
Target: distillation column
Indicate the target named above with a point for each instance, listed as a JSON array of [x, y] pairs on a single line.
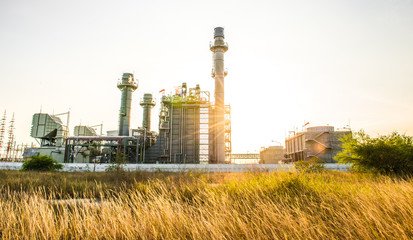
[[218, 48], [127, 85], [147, 104]]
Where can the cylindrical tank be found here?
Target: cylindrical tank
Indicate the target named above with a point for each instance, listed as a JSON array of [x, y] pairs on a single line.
[[218, 48], [127, 85], [147, 104]]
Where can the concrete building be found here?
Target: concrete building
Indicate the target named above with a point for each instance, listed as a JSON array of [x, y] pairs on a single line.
[[271, 155], [322, 142]]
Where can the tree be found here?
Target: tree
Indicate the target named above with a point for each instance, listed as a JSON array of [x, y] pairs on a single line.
[[41, 163], [387, 154]]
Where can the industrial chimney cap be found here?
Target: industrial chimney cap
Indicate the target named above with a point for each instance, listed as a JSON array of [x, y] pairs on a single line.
[[218, 32], [147, 96], [127, 75]]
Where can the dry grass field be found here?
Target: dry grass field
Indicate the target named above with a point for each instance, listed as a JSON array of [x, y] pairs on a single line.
[[137, 205]]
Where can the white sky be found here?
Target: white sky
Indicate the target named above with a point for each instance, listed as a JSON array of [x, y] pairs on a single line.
[[289, 62]]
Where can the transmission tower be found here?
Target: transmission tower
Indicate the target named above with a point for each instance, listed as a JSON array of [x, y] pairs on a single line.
[[2, 131], [11, 137]]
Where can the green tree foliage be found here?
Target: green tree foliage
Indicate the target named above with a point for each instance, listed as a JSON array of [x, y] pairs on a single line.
[[312, 165], [41, 163], [388, 154]]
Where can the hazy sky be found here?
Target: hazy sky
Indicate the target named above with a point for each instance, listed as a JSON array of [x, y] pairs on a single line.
[[289, 62]]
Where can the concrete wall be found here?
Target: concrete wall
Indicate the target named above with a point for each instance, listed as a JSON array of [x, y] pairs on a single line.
[[84, 167]]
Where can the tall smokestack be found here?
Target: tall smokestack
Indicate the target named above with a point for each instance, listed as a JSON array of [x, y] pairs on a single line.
[[127, 85], [218, 48], [147, 104]]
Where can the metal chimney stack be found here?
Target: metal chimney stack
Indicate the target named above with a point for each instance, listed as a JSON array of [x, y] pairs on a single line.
[[147, 104], [218, 48], [127, 85]]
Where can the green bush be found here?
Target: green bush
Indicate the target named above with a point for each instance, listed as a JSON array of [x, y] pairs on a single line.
[[312, 165], [41, 163], [117, 166], [391, 154]]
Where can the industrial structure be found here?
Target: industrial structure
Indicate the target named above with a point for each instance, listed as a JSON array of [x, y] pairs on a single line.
[[321, 142], [127, 85], [191, 128], [2, 132], [218, 48], [48, 130], [84, 131], [271, 155], [147, 104], [10, 150]]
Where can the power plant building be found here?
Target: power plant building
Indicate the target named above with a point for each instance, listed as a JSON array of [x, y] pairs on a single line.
[[271, 155], [191, 128], [180, 128], [322, 142]]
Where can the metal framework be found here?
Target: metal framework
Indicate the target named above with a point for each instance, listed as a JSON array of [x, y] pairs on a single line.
[[11, 138], [93, 149]]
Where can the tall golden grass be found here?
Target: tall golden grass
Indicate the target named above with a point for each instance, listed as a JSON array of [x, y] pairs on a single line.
[[328, 205]]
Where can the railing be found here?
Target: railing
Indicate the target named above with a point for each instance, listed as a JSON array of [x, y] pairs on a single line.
[[245, 156], [127, 84], [212, 45]]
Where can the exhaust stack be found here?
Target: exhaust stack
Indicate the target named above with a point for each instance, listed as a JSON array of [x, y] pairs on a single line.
[[127, 85], [218, 47], [147, 104]]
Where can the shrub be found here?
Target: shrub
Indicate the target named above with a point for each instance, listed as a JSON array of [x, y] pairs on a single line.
[[41, 163], [391, 154], [117, 166], [312, 165]]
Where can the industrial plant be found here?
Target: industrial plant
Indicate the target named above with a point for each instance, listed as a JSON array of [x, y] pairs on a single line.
[[321, 142], [192, 128]]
